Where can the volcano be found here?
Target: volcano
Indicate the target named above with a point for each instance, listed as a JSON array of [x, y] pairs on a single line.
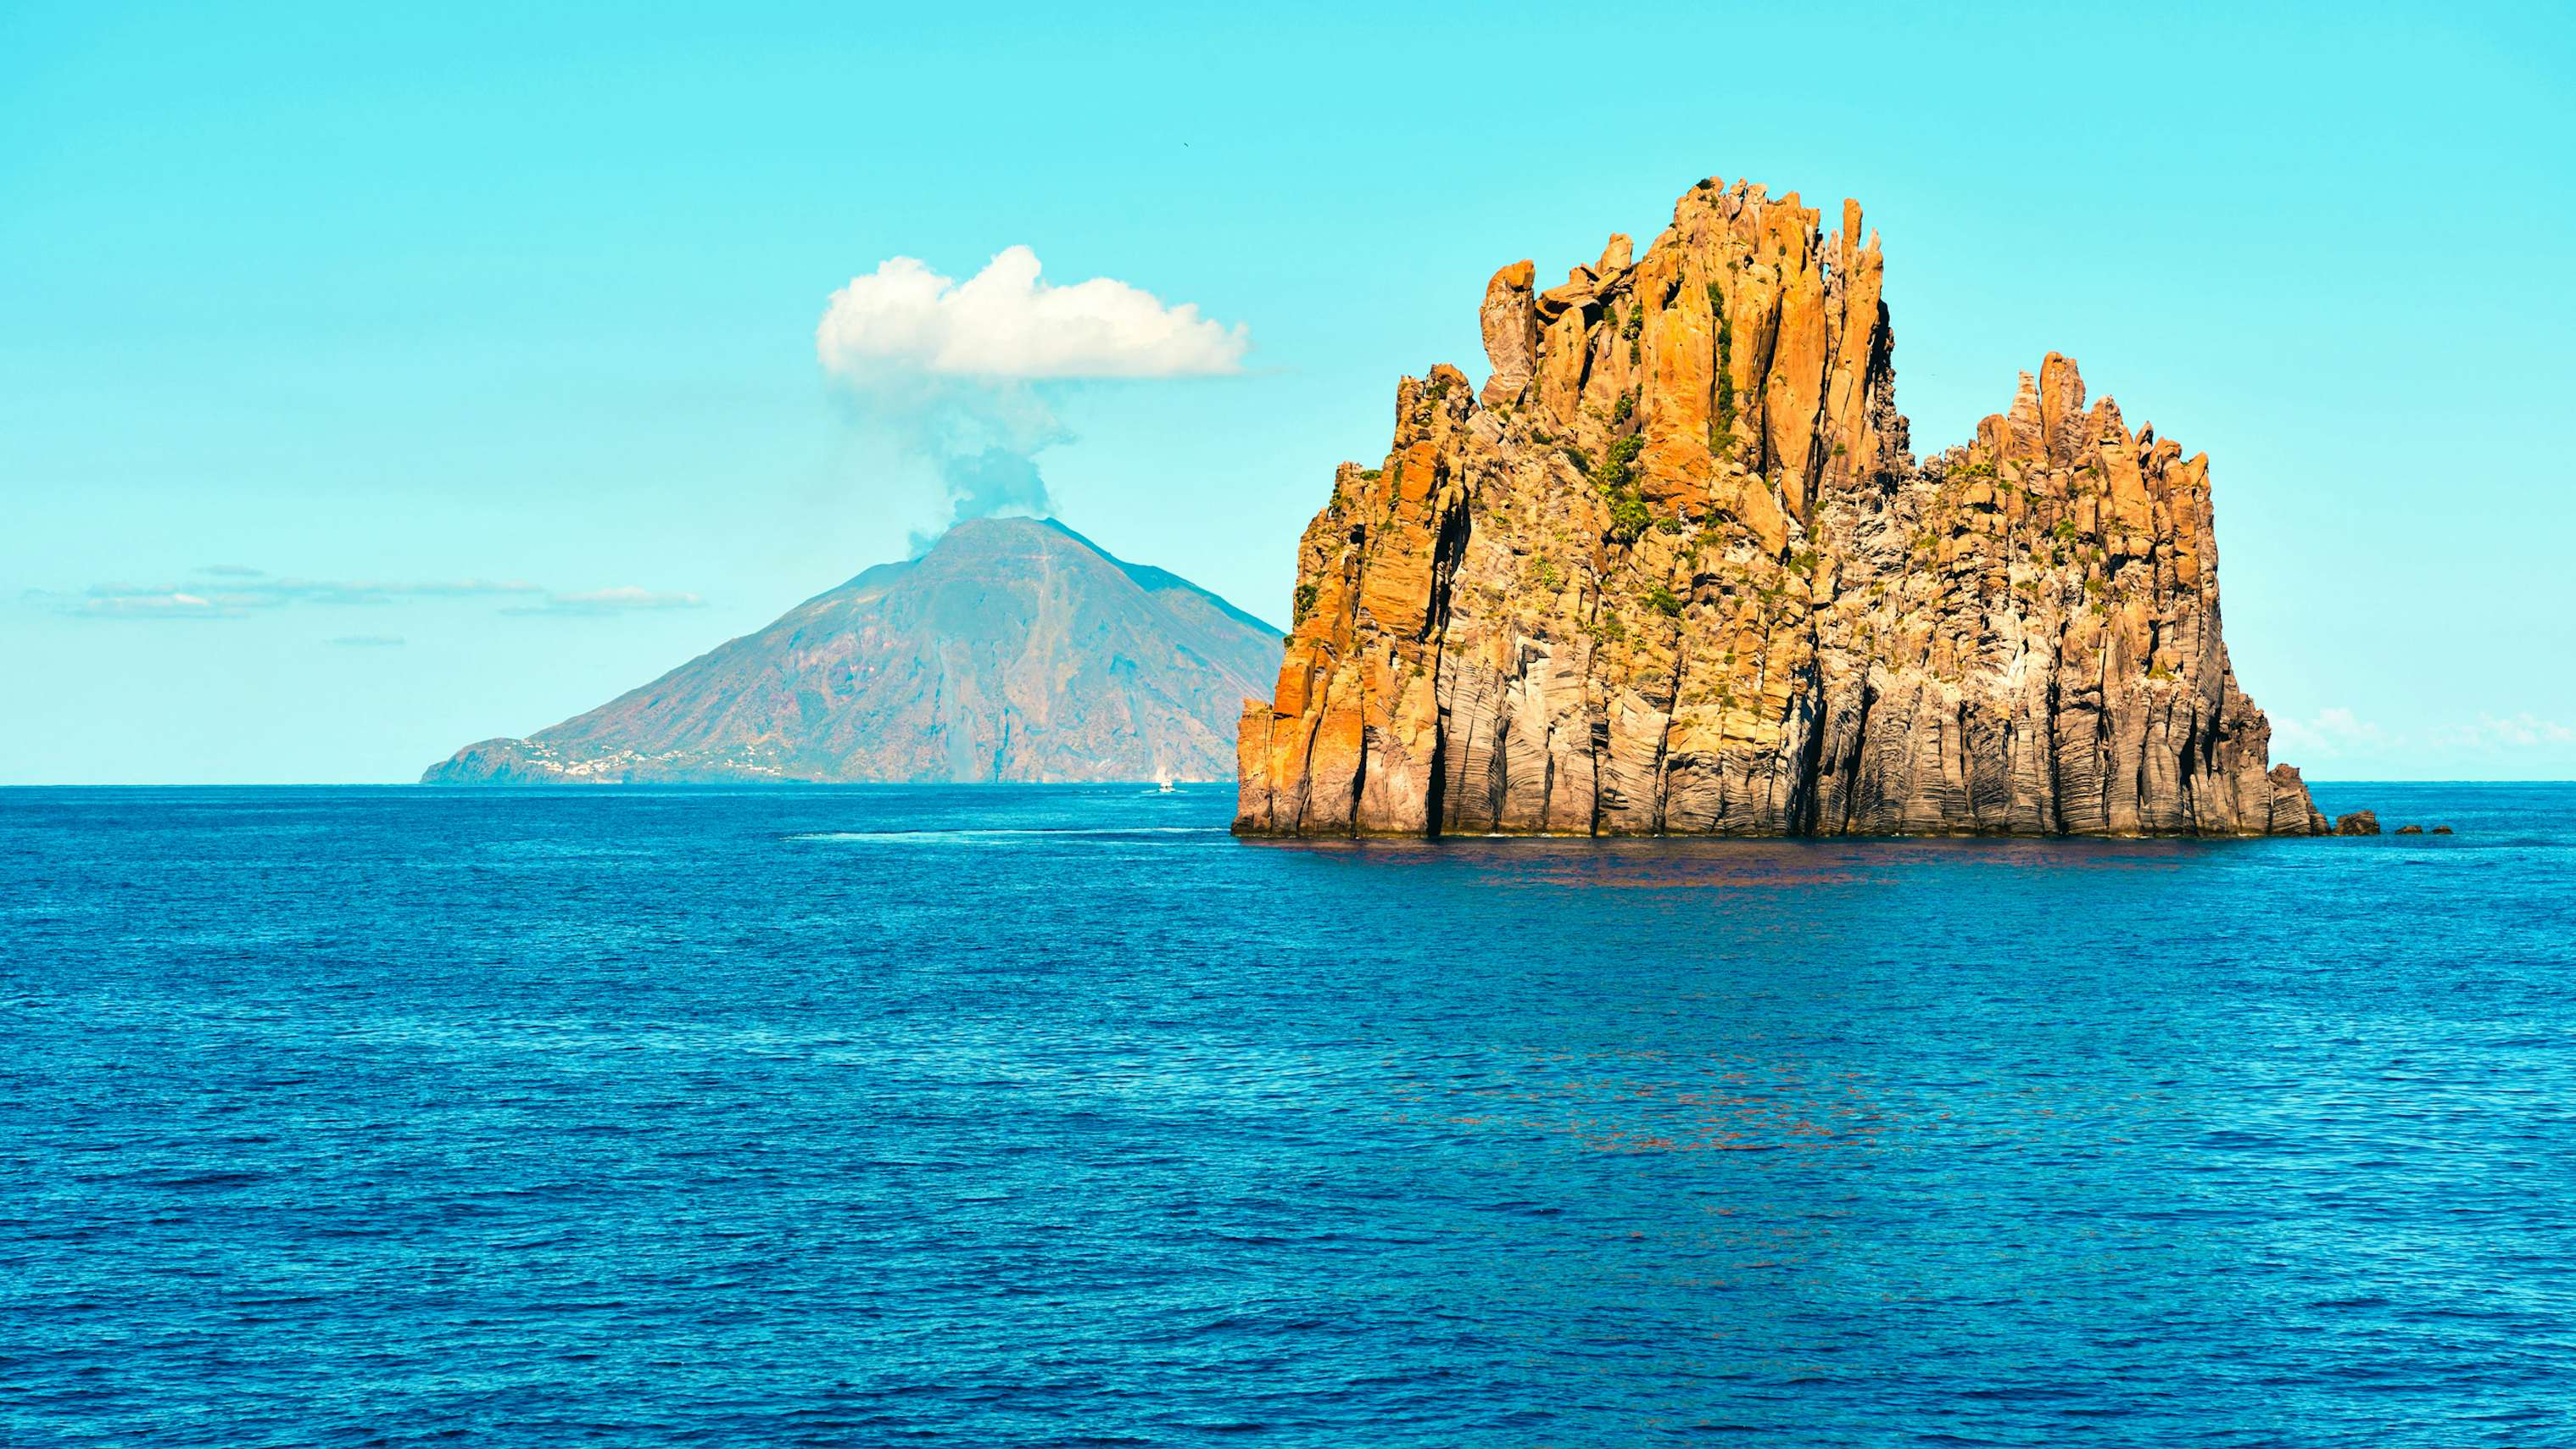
[[1015, 649]]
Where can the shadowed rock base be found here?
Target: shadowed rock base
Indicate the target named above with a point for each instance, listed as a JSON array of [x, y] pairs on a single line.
[[1676, 570]]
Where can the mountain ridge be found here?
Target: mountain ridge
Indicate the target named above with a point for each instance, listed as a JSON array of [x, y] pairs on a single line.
[[1011, 649]]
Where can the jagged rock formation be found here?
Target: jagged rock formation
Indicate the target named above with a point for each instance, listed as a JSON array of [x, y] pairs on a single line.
[[1677, 570], [1015, 649]]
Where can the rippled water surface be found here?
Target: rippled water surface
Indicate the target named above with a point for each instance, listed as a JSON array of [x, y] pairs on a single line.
[[1055, 1116]]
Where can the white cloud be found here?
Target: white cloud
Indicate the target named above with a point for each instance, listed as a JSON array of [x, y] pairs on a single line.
[[2523, 731], [610, 601], [1007, 323], [247, 589], [244, 591], [2330, 732], [153, 604], [2507, 744]]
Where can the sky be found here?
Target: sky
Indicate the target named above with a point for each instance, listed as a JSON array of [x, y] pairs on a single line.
[[463, 367]]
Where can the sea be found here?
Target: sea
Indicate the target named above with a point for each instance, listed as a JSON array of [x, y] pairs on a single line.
[[1006, 1115]]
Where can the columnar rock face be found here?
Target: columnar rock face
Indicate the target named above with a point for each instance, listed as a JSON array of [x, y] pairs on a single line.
[[1676, 570]]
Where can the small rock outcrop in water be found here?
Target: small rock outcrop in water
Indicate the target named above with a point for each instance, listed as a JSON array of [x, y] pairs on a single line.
[[1015, 649], [2359, 822], [1676, 570]]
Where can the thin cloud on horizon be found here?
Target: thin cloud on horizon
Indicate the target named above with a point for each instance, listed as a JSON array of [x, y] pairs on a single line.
[[610, 601], [233, 591]]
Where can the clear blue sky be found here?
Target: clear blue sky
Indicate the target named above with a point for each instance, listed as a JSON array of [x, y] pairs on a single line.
[[527, 294]]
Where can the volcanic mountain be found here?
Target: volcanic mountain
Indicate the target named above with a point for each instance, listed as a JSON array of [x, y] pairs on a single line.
[[1015, 649]]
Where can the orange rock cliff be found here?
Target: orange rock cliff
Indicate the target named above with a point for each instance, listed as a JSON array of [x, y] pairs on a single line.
[[1675, 569]]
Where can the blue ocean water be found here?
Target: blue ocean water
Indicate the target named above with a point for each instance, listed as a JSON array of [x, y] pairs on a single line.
[[1000, 1116]]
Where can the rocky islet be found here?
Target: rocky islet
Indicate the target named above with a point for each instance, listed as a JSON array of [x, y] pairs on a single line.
[[1675, 569]]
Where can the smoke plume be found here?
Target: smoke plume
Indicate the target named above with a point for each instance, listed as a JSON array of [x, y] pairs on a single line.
[[951, 371]]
